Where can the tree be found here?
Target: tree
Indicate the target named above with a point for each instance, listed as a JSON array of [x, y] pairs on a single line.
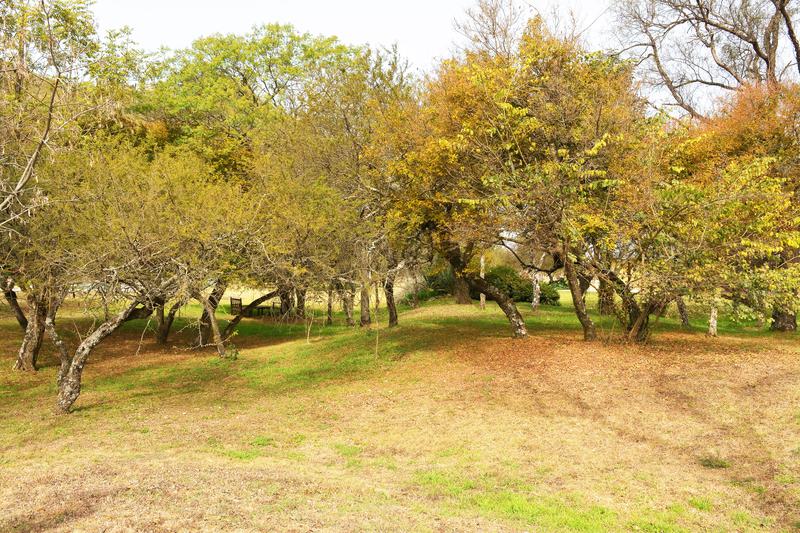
[[695, 49]]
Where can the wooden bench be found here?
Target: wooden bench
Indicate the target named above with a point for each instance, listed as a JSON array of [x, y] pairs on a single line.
[[269, 310]]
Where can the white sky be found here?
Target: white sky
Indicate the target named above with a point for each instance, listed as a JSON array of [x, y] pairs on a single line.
[[423, 29]]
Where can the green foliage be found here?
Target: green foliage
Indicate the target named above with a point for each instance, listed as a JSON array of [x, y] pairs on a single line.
[[519, 287]]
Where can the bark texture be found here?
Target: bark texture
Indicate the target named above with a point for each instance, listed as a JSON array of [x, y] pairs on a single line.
[[34, 335], [366, 319], [70, 374], [683, 312]]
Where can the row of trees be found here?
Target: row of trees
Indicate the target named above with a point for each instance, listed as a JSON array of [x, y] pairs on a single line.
[[301, 166]]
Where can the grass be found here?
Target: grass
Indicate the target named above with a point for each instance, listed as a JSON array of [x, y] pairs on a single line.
[[449, 425]]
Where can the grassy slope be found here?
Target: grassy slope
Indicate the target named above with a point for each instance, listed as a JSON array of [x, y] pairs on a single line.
[[451, 426]]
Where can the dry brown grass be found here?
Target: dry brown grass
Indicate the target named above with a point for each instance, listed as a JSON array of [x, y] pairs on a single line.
[[452, 428]]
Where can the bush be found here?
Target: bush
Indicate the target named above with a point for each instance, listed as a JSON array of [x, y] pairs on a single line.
[[519, 288]]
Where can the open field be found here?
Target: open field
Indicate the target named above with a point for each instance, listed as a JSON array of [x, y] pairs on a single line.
[[450, 427]]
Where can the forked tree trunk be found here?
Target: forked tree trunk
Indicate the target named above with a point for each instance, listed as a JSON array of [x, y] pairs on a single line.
[[461, 289], [205, 320], [13, 303], [683, 312], [783, 321], [34, 334], [210, 313], [69, 376], [366, 319], [391, 305], [578, 300]]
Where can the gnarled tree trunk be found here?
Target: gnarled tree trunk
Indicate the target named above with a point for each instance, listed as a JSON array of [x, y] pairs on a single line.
[[166, 320], [71, 372], [683, 313], [34, 334]]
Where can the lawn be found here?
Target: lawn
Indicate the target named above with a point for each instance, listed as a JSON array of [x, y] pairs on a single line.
[[443, 424]]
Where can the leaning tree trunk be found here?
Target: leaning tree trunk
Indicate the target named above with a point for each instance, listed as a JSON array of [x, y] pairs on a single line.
[[391, 305], [69, 376], [518, 328], [234, 323], [683, 312], [13, 302], [461, 289], [34, 334], [214, 299], [783, 321], [578, 300], [366, 319]]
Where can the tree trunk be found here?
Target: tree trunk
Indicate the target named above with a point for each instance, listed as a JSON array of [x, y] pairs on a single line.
[[712, 321], [683, 312], [69, 376], [483, 276], [518, 328], [536, 301], [205, 321], [165, 322], [210, 312], [300, 303], [329, 317], [348, 303], [34, 334], [783, 321], [246, 312], [578, 301], [13, 302], [287, 301], [461, 289], [391, 305], [605, 298], [366, 319]]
